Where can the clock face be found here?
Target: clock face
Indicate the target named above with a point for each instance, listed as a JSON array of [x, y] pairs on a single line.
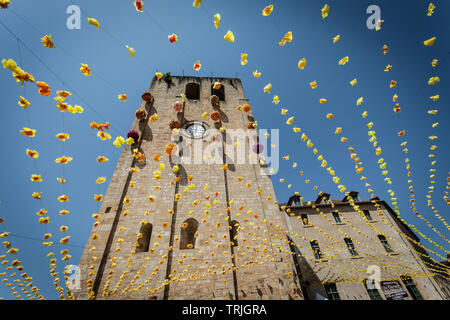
[[195, 130]]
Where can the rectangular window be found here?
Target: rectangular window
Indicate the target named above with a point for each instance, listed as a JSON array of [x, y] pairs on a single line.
[[367, 214], [412, 289], [355, 198], [304, 219], [337, 217], [108, 209], [372, 291], [325, 200], [385, 244], [332, 292], [297, 202], [351, 247], [315, 248]]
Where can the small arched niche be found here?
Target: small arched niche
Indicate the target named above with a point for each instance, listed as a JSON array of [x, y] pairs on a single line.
[[233, 232], [219, 92], [188, 230], [144, 241]]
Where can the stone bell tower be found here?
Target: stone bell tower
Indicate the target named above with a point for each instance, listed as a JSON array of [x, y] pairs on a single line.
[[194, 224]]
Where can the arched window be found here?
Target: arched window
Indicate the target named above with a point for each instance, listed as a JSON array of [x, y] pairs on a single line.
[[188, 230], [233, 232], [219, 92], [192, 91], [144, 241]]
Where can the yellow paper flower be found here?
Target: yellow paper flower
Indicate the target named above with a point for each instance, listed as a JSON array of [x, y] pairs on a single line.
[[23, 102], [229, 36], [37, 195], [287, 38], [430, 9], [28, 132], [354, 82], [153, 118], [36, 178], [276, 100], [94, 22], [433, 80], [267, 88], [323, 101], [325, 10], [267, 10], [359, 101], [302, 64], [100, 180], [131, 51], [43, 220], [63, 94], [313, 84], [32, 154], [159, 75], [379, 25], [63, 160], [4, 4], [85, 70], [256, 74], [435, 98], [429, 42], [244, 58], [290, 121], [343, 61], [217, 20], [76, 109], [63, 198], [434, 63], [65, 240], [101, 159], [336, 38], [197, 3], [119, 141], [47, 41], [63, 136], [103, 135]]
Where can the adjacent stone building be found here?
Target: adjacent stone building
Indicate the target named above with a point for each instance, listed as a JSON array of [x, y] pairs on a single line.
[[352, 249]]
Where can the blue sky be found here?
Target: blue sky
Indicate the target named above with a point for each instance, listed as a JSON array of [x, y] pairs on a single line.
[[405, 27]]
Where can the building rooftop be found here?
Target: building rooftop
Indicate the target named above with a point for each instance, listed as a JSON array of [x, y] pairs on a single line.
[[318, 203]]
